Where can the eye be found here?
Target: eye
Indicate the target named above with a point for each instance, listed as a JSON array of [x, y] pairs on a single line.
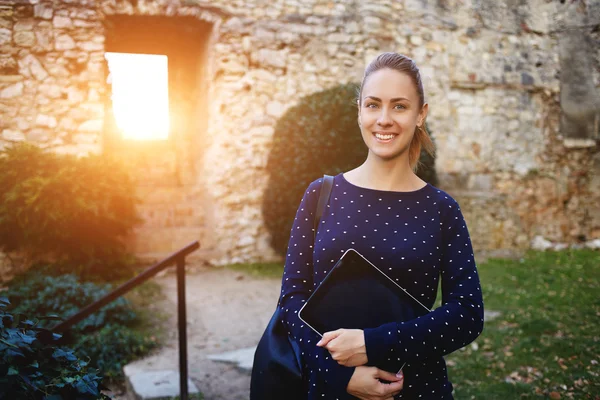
[[371, 105], [399, 107]]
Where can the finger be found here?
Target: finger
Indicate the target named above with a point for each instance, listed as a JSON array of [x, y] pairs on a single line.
[[388, 376], [393, 388], [327, 337]]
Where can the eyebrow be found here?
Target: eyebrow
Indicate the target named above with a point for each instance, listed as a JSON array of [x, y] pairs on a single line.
[[395, 99]]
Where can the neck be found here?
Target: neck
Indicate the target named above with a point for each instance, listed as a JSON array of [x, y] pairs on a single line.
[[395, 174]]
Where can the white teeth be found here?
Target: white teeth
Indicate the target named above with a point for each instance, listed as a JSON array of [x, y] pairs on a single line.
[[384, 137]]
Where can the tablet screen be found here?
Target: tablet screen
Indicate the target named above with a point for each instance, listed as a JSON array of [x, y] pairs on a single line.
[[357, 295]]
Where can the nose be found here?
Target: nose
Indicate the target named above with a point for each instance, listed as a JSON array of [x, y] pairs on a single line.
[[384, 118]]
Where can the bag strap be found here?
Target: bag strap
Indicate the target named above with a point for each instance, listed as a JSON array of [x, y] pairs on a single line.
[[322, 203]]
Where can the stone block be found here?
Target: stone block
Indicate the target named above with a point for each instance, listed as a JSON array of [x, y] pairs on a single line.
[[62, 22], [24, 38], [272, 58], [514, 16], [64, 42], [80, 23], [12, 136], [242, 358], [483, 140], [46, 121], [492, 223], [43, 11], [24, 25], [502, 59], [275, 109], [481, 182], [155, 385], [95, 126], [12, 91], [8, 65], [539, 243], [6, 11], [44, 35], [34, 67], [91, 46], [38, 135]]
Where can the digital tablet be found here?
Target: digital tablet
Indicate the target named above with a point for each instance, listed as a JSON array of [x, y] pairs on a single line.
[[358, 295]]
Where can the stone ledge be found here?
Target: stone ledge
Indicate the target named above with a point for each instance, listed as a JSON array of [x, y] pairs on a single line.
[[154, 385], [579, 143], [242, 358]]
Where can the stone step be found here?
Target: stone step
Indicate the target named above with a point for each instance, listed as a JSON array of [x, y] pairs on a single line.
[[243, 358], [154, 385]]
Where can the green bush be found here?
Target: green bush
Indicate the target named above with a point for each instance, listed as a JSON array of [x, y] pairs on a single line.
[[112, 347], [34, 366], [72, 210], [318, 136], [64, 295], [108, 337]]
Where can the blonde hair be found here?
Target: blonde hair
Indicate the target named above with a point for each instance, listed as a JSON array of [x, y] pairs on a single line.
[[405, 65]]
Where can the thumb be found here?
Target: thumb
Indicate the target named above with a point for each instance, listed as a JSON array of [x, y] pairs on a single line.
[[328, 337]]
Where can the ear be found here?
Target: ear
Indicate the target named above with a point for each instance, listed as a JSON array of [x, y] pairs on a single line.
[[423, 114], [358, 107]]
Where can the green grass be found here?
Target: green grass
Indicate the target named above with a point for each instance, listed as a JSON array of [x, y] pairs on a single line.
[[546, 342]]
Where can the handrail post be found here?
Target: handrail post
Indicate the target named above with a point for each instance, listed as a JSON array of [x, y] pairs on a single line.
[[182, 329]]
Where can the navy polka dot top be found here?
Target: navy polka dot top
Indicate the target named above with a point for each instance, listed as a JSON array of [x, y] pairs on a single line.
[[418, 238]]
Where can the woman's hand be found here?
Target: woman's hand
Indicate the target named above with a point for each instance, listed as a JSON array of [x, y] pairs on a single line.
[[365, 384], [346, 346]]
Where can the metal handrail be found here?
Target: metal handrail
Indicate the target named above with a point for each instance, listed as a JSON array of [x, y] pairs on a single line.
[[179, 259]]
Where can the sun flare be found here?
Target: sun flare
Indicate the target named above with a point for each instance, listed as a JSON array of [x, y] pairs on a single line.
[[140, 95]]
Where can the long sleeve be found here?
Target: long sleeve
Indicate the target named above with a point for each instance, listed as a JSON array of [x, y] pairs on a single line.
[[453, 325], [297, 286]]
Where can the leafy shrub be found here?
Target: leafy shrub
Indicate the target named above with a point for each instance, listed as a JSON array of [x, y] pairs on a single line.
[[70, 209], [34, 366], [318, 136], [112, 347], [107, 337], [64, 295]]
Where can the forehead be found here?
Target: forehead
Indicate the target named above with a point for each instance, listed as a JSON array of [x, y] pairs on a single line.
[[388, 83]]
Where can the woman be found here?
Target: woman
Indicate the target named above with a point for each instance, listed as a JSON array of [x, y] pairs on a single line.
[[408, 228]]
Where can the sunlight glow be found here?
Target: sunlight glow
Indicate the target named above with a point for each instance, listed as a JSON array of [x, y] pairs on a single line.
[[140, 95]]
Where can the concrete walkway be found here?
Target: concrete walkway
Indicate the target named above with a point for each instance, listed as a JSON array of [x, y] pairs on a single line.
[[227, 311]]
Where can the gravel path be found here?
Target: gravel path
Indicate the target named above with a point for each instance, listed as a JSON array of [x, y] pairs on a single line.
[[226, 311]]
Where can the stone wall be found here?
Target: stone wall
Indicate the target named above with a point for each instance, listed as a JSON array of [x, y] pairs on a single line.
[[495, 73]]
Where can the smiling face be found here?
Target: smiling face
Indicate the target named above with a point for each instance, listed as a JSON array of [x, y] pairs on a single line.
[[389, 112]]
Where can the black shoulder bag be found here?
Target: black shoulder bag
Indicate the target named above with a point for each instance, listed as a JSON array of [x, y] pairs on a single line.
[[277, 369]]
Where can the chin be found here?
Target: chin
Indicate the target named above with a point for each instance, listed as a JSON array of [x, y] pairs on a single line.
[[389, 154]]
